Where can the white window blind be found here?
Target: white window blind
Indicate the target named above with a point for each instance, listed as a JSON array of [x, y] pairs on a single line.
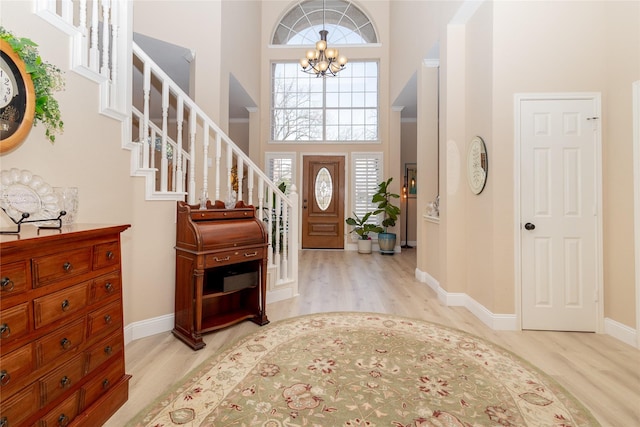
[[367, 173], [280, 168]]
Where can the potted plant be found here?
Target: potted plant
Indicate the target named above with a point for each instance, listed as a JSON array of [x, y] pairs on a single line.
[[362, 228], [384, 198]]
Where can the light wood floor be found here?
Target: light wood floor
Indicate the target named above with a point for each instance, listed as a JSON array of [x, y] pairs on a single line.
[[599, 370]]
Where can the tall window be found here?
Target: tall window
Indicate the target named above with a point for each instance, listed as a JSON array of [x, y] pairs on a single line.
[[342, 108], [305, 108], [366, 174]]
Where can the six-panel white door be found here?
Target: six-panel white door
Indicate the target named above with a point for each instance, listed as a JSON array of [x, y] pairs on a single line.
[[558, 197]]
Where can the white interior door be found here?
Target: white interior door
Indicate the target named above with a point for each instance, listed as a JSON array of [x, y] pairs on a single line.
[[559, 198]]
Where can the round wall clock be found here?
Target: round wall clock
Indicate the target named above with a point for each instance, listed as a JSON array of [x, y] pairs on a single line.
[[17, 99], [477, 165]]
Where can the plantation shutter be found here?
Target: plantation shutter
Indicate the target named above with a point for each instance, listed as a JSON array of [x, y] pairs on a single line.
[[367, 173], [280, 168]]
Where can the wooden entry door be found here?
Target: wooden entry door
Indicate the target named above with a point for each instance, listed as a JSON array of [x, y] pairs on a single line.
[[323, 202], [559, 205]]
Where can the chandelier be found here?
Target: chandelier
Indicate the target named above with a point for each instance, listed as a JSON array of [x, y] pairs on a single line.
[[323, 60]]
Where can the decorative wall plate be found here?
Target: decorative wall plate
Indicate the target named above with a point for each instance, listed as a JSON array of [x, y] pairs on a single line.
[[23, 192], [477, 165]]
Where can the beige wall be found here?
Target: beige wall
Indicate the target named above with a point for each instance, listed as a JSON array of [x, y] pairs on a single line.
[[506, 48]]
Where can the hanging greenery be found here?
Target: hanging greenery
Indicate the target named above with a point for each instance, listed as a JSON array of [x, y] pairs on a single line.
[[47, 79]]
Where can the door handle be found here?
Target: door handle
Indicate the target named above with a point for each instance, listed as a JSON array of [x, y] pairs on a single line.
[[529, 226]]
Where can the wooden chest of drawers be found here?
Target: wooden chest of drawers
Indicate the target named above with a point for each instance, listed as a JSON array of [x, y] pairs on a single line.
[[61, 326]]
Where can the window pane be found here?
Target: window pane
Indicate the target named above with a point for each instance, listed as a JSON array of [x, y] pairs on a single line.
[[305, 108], [323, 189]]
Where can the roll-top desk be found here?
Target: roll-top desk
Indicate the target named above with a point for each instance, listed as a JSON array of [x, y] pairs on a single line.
[[221, 269], [61, 326]]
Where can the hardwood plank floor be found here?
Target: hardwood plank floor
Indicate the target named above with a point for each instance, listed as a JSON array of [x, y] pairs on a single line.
[[602, 372]]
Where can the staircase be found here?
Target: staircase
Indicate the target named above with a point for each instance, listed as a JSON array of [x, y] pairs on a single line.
[[179, 151]]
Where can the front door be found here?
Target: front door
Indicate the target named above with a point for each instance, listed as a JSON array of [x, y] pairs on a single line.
[[559, 140], [323, 202]]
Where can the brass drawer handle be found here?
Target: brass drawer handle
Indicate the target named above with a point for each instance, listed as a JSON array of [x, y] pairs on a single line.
[[250, 255], [65, 382], [65, 343], [227, 258], [63, 420], [5, 331], [107, 319], [7, 284], [5, 377], [66, 305], [105, 384], [108, 350], [4, 422], [67, 266], [110, 255], [108, 287]]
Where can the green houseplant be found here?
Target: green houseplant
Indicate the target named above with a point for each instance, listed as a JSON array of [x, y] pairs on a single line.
[[384, 199], [46, 78], [362, 228]]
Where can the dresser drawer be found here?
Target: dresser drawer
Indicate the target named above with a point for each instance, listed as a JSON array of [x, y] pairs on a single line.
[[60, 304], [14, 323], [65, 264], [106, 254], [233, 257], [15, 368], [20, 406], [61, 341], [104, 320], [63, 414], [13, 278], [105, 286], [61, 379], [102, 351], [103, 382]]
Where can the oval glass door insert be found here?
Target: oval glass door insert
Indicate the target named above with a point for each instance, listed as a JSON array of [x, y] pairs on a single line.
[[323, 189]]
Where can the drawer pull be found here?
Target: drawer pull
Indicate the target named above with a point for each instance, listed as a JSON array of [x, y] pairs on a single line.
[[110, 255], [250, 255], [65, 305], [105, 384], [4, 422], [67, 266], [65, 343], [108, 287], [65, 382], [107, 319], [63, 420], [108, 350], [5, 377], [227, 258], [5, 331], [7, 284]]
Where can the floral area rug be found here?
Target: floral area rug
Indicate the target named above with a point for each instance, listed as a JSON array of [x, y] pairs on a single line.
[[365, 370]]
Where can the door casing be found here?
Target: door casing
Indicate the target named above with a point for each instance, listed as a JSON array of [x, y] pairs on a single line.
[[518, 100]]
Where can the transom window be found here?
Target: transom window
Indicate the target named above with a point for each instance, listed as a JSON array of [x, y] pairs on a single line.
[[346, 24], [342, 108]]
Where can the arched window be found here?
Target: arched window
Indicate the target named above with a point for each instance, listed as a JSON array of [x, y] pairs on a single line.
[[342, 108], [346, 24]]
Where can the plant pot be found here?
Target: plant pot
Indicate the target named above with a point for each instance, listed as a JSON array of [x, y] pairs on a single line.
[[387, 243], [364, 246]]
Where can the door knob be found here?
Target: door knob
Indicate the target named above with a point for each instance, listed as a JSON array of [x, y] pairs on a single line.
[[529, 226]]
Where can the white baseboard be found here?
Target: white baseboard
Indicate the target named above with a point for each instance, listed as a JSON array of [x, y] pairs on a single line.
[[279, 295], [148, 327], [508, 322], [621, 332], [499, 322]]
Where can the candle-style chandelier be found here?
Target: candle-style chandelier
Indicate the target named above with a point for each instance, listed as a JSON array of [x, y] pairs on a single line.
[[323, 60]]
